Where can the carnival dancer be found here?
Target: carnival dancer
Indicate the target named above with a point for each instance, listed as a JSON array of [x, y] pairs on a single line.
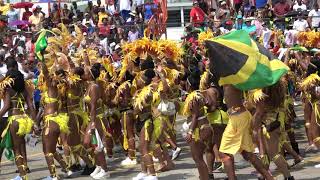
[[215, 112], [144, 126], [199, 132], [237, 136], [162, 110], [96, 127], [270, 113], [54, 123], [15, 96], [311, 85], [123, 99], [78, 118]]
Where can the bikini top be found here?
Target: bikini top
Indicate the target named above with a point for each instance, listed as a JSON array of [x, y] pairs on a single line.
[[19, 100], [47, 99], [72, 96]]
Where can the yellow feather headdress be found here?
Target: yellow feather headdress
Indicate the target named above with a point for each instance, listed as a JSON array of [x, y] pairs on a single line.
[[309, 81], [189, 102], [140, 100]]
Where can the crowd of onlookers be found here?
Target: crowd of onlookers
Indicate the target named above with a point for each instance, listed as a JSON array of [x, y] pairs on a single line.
[[254, 15]]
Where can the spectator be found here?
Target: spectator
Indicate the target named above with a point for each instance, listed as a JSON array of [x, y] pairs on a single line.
[[26, 14], [13, 16], [299, 6], [102, 15], [149, 8], [55, 14], [133, 34], [36, 18], [4, 8], [125, 8], [249, 27], [104, 28], [197, 16], [89, 8], [87, 20], [314, 17], [111, 7], [239, 23], [237, 5], [260, 4], [224, 8], [104, 44], [131, 19], [65, 15], [300, 24], [281, 8], [203, 5], [95, 14], [19, 37]]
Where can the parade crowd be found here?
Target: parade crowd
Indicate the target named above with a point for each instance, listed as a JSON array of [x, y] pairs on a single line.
[[83, 83]]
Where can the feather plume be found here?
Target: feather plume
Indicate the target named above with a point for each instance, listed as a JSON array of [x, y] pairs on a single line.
[[73, 78], [189, 102], [4, 83], [309, 81], [204, 80], [140, 100], [125, 85], [256, 95]]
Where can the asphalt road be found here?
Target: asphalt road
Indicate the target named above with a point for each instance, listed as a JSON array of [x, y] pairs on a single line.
[[185, 167]]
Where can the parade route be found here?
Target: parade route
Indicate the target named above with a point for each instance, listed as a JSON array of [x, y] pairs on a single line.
[[185, 166]]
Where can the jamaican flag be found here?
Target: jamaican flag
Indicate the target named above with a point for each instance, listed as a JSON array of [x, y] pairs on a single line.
[[238, 60], [41, 45]]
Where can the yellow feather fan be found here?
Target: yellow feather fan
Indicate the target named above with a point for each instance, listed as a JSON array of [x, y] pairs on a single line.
[[204, 80], [309, 81], [140, 100], [4, 83], [189, 102]]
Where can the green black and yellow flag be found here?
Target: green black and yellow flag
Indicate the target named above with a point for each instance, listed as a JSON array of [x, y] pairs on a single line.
[[41, 44], [238, 60]]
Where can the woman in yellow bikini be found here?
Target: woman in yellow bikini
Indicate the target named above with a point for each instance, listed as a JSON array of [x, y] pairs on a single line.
[[54, 123], [94, 101], [123, 99], [78, 119], [270, 115], [144, 124], [19, 123], [199, 132], [216, 114]]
